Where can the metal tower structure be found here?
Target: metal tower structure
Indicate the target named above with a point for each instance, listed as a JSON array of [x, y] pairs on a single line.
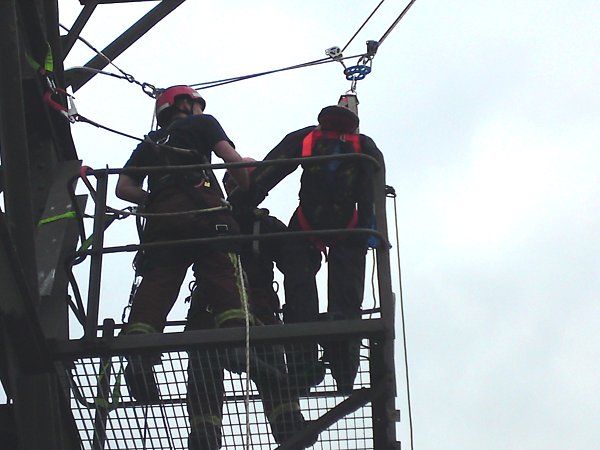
[[65, 394]]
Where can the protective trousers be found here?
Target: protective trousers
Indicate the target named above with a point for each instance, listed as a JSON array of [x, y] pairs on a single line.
[[345, 289], [164, 269], [205, 394]]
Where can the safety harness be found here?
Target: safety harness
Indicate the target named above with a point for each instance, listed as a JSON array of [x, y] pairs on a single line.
[[307, 151]]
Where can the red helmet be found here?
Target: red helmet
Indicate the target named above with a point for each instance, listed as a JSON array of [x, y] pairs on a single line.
[[166, 100]]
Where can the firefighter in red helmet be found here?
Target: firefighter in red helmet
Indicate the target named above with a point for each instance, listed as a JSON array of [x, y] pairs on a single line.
[[186, 136], [166, 103]]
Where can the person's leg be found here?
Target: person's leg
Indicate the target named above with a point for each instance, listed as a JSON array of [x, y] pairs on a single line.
[[151, 304], [280, 403], [154, 298], [346, 279], [220, 280], [205, 390], [346, 275], [300, 263]]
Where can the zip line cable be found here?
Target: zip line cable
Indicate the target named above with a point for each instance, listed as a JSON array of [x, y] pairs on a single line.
[[389, 30], [362, 26], [398, 19], [210, 84], [152, 91]]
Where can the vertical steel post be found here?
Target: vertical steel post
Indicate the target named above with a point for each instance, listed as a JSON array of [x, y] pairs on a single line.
[[384, 409], [13, 144], [95, 279]]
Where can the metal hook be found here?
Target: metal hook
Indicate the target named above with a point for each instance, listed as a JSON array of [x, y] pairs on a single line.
[[150, 90], [70, 113]]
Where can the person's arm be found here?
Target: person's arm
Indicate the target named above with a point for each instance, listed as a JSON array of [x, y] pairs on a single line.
[[266, 177], [131, 190], [225, 151]]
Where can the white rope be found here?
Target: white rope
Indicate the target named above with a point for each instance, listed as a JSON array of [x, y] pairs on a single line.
[[244, 298]]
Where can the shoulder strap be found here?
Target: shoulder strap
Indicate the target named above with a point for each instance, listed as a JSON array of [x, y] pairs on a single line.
[[308, 142]]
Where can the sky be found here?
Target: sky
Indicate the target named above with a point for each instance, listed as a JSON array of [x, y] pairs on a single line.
[[488, 117]]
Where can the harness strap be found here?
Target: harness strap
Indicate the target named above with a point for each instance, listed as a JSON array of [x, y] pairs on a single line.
[[231, 314], [307, 143], [321, 244], [282, 409], [140, 328], [198, 421]]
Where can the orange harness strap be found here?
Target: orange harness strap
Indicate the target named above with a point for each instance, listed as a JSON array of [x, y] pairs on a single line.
[[321, 244], [307, 143]]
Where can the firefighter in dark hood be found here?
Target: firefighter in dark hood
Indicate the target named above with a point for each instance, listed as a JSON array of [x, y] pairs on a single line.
[[334, 194]]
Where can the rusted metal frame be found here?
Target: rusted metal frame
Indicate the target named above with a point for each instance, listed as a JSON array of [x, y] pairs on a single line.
[[233, 238], [123, 42], [55, 240], [384, 408], [357, 400], [108, 2], [69, 350], [95, 278], [69, 40], [97, 250], [276, 162], [13, 145]]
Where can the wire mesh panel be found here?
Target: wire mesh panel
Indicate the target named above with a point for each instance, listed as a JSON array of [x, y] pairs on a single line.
[[202, 398]]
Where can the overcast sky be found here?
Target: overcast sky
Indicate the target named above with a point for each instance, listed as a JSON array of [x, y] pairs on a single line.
[[488, 114]]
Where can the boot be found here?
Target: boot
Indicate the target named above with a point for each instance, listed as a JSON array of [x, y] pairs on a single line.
[[140, 381], [234, 360], [287, 424], [206, 438], [343, 358], [303, 377]]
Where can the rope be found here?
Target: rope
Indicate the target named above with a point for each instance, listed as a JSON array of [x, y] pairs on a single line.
[[83, 119], [410, 422], [125, 212], [247, 326], [148, 88]]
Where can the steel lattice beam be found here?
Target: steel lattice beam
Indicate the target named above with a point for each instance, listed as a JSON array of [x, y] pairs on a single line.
[[123, 42]]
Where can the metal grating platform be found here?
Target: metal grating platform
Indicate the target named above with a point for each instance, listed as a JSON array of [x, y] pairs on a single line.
[[107, 417]]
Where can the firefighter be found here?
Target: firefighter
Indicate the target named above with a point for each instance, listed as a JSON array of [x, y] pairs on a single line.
[[205, 373], [186, 136], [333, 194]]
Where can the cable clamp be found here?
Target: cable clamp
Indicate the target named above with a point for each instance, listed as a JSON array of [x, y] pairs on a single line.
[[372, 47], [334, 53]]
